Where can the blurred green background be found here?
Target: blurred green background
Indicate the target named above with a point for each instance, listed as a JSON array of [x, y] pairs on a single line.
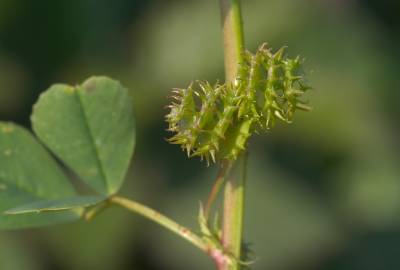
[[323, 193]]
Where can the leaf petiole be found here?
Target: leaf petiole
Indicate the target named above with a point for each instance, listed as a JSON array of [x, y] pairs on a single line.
[[162, 220]]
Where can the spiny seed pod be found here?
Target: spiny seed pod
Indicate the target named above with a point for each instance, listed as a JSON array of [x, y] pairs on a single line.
[[215, 122], [201, 128], [280, 86]]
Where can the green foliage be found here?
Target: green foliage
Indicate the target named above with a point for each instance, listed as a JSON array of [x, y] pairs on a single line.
[[90, 128], [28, 174], [216, 121]]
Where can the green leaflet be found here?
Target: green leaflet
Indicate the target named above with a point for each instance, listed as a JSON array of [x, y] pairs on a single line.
[[27, 174], [90, 128]]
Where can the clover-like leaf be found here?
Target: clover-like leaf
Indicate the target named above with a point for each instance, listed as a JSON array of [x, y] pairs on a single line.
[[90, 128], [28, 174]]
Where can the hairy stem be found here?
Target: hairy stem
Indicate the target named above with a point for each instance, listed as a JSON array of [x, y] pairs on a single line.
[[162, 220], [235, 182]]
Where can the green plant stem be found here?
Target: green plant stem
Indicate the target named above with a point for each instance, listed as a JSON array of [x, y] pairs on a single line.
[[162, 220], [232, 28], [235, 182], [234, 195], [225, 167]]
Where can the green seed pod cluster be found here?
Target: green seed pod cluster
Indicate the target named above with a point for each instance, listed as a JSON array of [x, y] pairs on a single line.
[[215, 122]]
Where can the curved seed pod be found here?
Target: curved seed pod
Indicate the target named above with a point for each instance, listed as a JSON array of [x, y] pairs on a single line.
[[283, 87], [215, 122], [201, 118]]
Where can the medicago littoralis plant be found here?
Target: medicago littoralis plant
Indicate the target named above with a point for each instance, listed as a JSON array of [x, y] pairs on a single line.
[[90, 128]]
